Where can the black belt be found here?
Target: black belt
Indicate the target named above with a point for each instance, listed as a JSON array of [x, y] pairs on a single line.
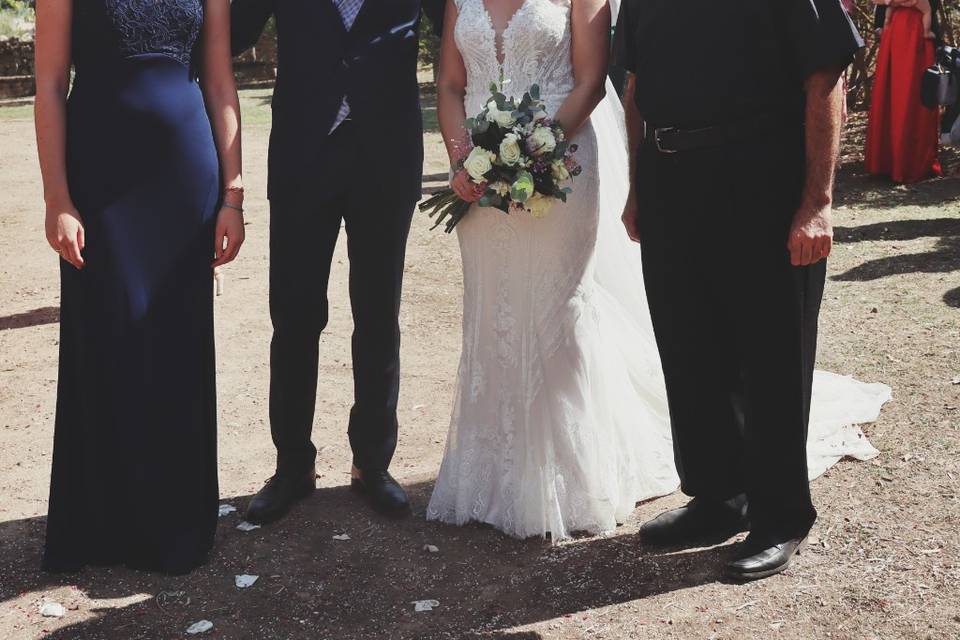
[[677, 140]]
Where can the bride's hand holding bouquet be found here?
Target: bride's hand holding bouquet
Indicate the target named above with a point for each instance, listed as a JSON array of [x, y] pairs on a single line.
[[519, 161]]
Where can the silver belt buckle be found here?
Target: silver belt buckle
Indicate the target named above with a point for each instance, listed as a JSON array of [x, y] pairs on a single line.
[[659, 142]]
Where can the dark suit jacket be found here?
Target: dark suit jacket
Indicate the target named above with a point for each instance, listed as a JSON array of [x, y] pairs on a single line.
[[374, 65]]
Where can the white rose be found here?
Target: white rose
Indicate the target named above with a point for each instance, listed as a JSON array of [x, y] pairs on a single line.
[[510, 150], [479, 163], [538, 205], [559, 170], [542, 141], [504, 119]]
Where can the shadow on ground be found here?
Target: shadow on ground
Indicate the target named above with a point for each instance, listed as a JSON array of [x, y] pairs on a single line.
[[487, 584], [44, 315], [944, 258]]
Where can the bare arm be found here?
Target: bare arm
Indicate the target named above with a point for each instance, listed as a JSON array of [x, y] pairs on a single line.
[[634, 140], [64, 227], [451, 89], [811, 235], [590, 23], [223, 107]]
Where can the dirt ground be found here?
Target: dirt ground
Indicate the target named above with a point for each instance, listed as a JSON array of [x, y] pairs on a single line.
[[885, 556]]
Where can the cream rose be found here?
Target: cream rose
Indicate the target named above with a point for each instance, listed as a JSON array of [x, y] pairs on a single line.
[[510, 150], [504, 119], [478, 164], [542, 141]]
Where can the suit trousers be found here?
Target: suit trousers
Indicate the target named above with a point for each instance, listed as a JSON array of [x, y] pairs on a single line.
[[735, 322], [304, 228]]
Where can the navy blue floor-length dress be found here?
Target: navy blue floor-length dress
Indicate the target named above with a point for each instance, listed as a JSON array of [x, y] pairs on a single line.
[[134, 466]]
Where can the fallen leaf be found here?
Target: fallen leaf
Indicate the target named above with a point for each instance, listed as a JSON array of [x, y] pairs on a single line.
[[342, 537], [167, 598], [246, 526], [227, 509], [429, 548]]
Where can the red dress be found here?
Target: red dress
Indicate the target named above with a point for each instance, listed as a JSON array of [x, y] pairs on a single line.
[[903, 134]]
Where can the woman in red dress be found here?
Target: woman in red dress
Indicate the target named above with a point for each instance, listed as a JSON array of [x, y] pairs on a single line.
[[903, 134]]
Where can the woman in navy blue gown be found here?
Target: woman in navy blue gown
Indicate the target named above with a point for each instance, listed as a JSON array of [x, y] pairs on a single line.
[[142, 183]]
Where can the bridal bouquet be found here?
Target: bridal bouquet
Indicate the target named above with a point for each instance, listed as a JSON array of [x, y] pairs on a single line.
[[519, 153]]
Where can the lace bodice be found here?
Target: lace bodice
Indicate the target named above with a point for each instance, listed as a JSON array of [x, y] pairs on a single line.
[[112, 29], [534, 48]]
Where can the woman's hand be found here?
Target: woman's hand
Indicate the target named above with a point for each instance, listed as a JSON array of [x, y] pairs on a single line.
[[65, 234], [229, 236], [465, 188]]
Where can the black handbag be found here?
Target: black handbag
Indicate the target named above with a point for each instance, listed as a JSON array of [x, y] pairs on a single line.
[[940, 86]]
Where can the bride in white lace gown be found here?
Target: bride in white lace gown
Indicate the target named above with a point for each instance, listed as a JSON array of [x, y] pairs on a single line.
[[560, 420]]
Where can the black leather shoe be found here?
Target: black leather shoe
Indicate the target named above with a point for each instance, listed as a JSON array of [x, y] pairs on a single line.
[[384, 494], [699, 522], [280, 493], [763, 555]]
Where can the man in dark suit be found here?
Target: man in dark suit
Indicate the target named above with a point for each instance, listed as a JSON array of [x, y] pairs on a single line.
[[346, 146], [731, 199]]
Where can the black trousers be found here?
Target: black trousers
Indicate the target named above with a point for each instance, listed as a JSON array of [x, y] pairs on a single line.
[[736, 324], [304, 228]]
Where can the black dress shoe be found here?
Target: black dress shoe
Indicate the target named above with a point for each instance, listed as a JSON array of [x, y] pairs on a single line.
[[280, 493], [764, 555], [699, 522], [384, 494]]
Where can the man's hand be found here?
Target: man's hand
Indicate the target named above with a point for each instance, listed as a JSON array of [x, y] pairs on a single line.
[[811, 236], [629, 218]]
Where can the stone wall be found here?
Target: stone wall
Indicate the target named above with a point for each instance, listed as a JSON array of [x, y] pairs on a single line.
[[16, 68]]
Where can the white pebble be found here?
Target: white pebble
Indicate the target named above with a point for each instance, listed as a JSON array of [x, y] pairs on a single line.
[[342, 537], [199, 627], [244, 581], [425, 605], [52, 610]]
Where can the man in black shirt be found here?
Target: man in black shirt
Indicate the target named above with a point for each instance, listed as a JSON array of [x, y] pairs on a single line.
[[734, 115]]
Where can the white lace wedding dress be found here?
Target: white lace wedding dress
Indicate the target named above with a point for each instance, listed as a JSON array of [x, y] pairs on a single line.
[[560, 421]]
